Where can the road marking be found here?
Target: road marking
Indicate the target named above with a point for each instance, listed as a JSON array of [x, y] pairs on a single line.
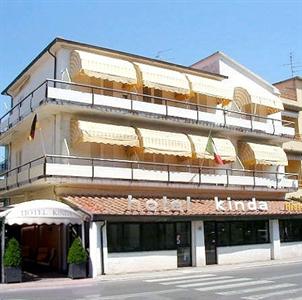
[[142, 294], [212, 283], [196, 279], [179, 277], [257, 289], [268, 295], [234, 285], [284, 276]]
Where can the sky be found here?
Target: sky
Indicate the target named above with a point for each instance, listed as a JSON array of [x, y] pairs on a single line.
[[258, 34]]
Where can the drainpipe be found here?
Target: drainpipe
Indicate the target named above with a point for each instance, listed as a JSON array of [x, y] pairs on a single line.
[[11, 99], [54, 67], [102, 251]]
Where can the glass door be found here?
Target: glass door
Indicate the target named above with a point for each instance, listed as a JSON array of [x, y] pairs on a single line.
[[210, 242], [183, 244]]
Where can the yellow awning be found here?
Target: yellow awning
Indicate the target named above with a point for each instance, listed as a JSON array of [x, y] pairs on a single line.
[[257, 154], [163, 79], [243, 97], [100, 66], [210, 87], [90, 132], [162, 142], [224, 148]]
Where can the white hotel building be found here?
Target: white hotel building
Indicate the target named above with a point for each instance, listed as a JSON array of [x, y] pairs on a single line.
[[119, 158]]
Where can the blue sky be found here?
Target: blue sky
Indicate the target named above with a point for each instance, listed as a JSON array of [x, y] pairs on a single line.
[[258, 34]]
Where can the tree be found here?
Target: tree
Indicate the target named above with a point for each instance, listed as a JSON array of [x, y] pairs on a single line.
[[12, 255], [76, 253]]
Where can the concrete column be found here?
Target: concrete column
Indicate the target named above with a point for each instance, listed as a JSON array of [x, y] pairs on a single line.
[[105, 249], [198, 247], [95, 267], [275, 239]]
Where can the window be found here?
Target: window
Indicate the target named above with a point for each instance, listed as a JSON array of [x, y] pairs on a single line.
[[109, 88], [242, 233], [147, 93], [290, 230], [127, 237]]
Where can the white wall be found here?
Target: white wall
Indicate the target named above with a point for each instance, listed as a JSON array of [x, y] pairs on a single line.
[[39, 74], [291, 250], [43, 142], [241, 254], [128, 262]]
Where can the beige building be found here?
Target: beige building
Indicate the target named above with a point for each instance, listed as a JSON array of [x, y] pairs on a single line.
[[159, 165], [291, 95]]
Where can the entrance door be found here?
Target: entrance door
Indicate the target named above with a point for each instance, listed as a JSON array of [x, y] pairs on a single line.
[[210, 242], [183, 243]]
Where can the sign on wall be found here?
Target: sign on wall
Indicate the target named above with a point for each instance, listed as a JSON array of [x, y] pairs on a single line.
[[240, 205]]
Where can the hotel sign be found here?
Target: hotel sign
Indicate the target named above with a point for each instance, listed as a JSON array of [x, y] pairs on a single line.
[[163, 204], [240, 205]]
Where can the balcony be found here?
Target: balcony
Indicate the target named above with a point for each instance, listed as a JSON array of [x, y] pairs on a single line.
[[73, 169], [124, 102]]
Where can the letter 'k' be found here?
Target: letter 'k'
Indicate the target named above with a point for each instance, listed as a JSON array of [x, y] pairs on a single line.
[[219, 204]]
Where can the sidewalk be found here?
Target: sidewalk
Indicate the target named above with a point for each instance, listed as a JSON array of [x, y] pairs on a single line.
[[56, 283]]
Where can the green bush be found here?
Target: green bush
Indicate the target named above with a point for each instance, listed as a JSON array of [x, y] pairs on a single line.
[[12, 254], [76, 253]]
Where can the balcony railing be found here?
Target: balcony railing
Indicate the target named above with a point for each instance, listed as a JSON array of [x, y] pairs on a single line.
[[93, 169], [114, 100]]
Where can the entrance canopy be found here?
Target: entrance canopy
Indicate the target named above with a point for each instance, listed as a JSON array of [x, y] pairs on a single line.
[[41, 212]]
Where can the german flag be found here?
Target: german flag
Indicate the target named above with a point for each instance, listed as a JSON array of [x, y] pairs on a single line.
[[33, 128]]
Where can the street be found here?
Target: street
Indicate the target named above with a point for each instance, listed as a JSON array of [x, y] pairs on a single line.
[[281, 281]]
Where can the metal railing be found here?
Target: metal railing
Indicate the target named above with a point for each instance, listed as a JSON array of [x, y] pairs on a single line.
[[168, 169], [30, 102]]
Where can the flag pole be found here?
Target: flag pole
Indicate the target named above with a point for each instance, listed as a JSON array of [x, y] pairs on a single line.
[[202, 162]]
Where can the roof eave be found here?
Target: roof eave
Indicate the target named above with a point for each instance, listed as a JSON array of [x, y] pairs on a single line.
[[75, 43]]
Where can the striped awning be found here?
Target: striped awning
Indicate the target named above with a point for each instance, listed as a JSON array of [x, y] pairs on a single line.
[[163, 142], [100, 66], [210, 87], [257, 154], [224, 147], [163, 79], [90, 132], [243, 97]]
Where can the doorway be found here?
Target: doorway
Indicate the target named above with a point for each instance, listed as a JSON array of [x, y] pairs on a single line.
[[183, 244], [210, 237]]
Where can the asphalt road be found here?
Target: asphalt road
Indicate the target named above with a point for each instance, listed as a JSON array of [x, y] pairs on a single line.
[[267, 282]]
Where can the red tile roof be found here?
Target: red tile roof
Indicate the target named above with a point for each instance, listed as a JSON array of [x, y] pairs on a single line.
[[118, 206]]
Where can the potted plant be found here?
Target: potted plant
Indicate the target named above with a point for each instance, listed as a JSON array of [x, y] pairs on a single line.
[[77, 258], [12, 262]]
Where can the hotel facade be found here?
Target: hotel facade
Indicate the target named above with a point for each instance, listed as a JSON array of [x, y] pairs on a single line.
[[119, 157]]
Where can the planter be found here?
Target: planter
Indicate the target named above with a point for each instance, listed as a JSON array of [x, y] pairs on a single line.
[[12, 274], [76, 271]]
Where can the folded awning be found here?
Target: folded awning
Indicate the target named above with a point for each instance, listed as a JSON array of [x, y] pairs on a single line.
[[224, 147], [258, 154], [90, 132], [163, 142], [210, 87], [243, 97], [100, 66], [41, 212], [163, 79]]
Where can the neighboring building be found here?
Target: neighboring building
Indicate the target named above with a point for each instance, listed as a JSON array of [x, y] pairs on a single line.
[[291, 95], [125, 142]]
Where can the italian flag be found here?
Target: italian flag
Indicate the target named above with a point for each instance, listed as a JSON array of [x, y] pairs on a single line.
[[211, 149]]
